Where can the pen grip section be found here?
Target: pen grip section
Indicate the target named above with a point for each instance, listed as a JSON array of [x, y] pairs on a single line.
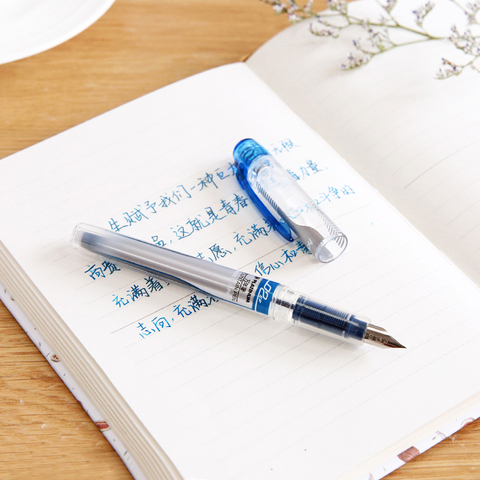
[[328, 320]]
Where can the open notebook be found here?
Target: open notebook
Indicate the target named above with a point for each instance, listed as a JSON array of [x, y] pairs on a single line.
[[198, 389]]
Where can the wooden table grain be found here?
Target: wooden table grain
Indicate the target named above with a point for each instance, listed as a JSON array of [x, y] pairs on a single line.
[[136, 47]]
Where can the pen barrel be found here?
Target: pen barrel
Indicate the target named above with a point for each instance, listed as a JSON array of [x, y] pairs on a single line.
[[307, 312], [234, 286], [215, 280]]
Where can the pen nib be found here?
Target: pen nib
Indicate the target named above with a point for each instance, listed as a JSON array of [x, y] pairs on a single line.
[[379, 337]]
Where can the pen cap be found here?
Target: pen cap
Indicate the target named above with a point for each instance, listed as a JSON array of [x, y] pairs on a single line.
[[269, 184]]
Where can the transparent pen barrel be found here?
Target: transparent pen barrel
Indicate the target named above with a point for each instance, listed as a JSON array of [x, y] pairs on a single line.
[[307, 312], [300, 212], [176, 267]]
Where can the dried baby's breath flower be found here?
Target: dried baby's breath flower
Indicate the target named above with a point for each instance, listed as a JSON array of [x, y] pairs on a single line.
[[377, 40], [421, 12]]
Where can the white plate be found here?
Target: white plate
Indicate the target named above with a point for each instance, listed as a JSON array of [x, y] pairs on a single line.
[[28, 27]]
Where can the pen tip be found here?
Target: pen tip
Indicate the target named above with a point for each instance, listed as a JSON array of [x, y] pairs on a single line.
[[379, 337]]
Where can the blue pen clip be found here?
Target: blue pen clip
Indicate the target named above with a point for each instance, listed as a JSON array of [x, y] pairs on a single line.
[[246, 152], [299, 216]]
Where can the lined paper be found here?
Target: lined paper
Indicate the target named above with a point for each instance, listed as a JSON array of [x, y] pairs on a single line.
[[413, 137], [229, 394]]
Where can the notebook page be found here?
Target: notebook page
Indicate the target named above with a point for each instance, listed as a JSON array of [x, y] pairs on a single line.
[[229, 394], [415, 138]]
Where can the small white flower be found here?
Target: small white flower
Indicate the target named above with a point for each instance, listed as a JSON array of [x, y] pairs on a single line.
[[449, 69], [278, 9], [422, 12], [390, 5], [471, 10], [355, 62], [338, 6], [323, 28], [293, 18]]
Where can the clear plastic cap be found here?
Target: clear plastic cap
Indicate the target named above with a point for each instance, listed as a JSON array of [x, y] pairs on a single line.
[[291, 211]]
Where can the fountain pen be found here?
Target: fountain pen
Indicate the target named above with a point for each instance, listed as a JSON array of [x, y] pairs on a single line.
[[259, 294]]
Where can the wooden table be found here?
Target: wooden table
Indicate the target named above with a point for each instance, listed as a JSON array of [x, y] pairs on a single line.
[[136, 47]]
